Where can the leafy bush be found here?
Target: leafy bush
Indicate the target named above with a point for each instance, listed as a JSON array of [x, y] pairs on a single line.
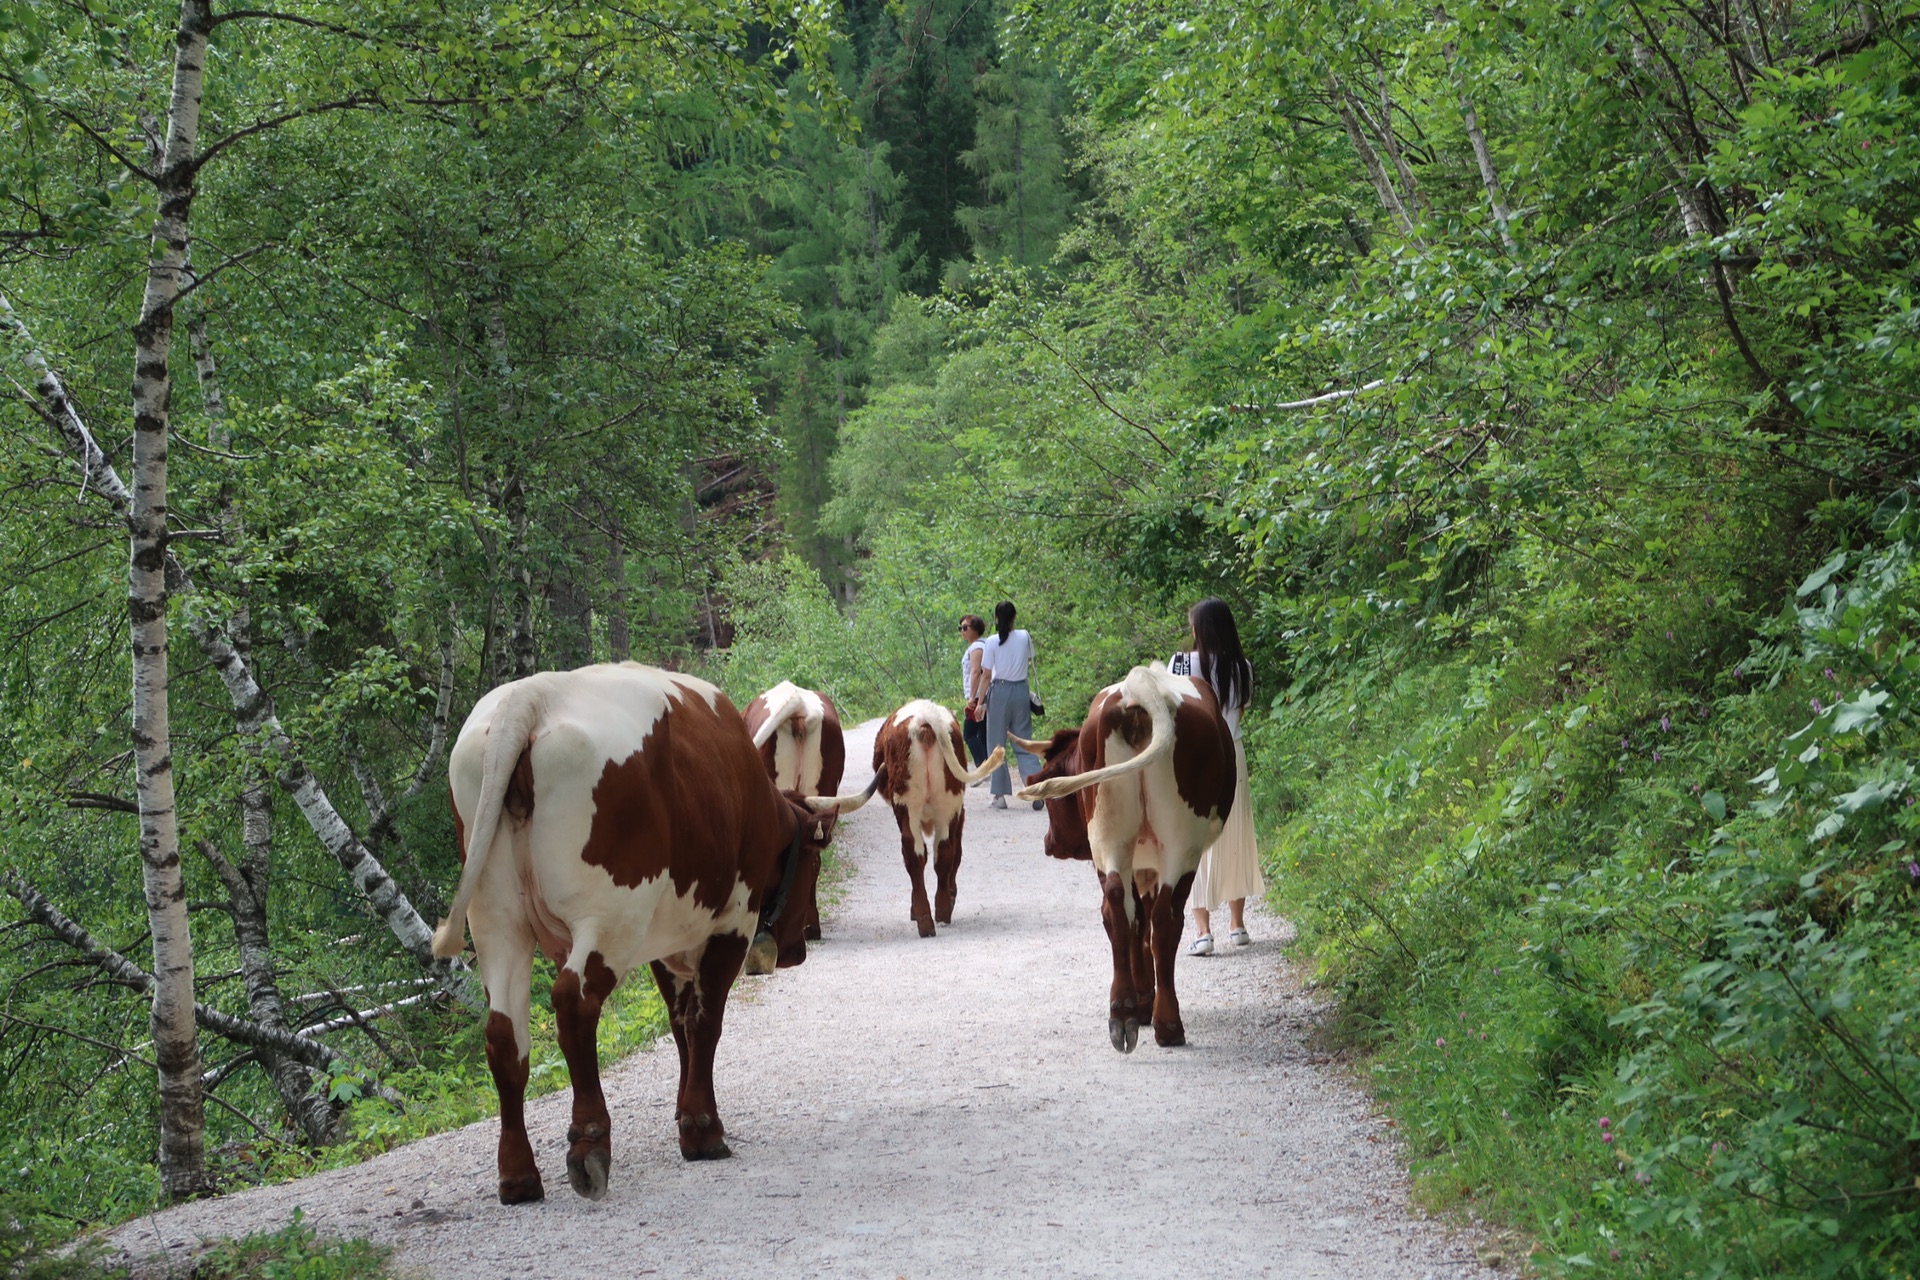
[[1639, 971]]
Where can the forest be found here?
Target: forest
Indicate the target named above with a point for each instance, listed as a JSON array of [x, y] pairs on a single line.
[[1535, 381]]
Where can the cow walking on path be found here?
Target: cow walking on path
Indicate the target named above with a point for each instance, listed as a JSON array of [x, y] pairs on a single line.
[[1142, 788], [917, 756], [616, 816], [797, 732]]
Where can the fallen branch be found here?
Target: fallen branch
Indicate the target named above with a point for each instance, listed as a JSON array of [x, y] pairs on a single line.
[[364, 1016]]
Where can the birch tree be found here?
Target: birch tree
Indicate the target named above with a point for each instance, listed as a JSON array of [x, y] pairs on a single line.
[[176, 1047]]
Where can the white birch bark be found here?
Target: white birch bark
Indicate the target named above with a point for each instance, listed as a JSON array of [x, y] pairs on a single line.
[[175, 1039], [293, 1077], [128, 974], [251, 704], [1391, 141], [1369, 158]]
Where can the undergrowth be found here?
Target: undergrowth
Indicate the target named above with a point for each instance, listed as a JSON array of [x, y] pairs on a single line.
[[1622, 910], [293, 1252]]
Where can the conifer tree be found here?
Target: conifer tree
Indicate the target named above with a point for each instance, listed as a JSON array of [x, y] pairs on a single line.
[[842, 262], [1021, 163]]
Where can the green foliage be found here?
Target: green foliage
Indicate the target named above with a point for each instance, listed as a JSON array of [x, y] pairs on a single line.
[[294, 1252], [454, 1088]]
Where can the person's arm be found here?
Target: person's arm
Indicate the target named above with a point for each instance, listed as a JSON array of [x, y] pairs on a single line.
[[976, 674]]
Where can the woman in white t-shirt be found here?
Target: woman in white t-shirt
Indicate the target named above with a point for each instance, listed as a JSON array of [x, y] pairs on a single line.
[[973, 685], [1230, 871], [1007, 662]]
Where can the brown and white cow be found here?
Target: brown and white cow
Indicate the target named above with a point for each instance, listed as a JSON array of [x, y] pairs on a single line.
[[917, 756], [616, 816], [798, 735], [1142, 788]]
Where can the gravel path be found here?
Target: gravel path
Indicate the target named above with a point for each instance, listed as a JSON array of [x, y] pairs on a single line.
[[900, 1107]]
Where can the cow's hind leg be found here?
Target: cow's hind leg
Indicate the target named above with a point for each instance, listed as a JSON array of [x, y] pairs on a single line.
[[696, 1005], [1169, 911], [1140, 957], [913, 851], [1123, 1011], [577, 997], [946, 871], [505, 954]]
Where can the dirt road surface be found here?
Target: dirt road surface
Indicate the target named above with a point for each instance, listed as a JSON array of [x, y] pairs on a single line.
[[941, 1107]]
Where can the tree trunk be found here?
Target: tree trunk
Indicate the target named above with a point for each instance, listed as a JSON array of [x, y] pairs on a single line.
[[247, 886], [619, 637], [572, 620], [176, 1044], [1369, 158], [443, 704], [253, 708], [1391, 141], [1496, 199], [521, 648]]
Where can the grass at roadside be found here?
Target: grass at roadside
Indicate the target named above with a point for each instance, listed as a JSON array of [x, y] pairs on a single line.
[[294, 1252]]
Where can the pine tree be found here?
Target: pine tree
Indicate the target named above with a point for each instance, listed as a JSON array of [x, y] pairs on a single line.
[[1021, 162], [842, 262]]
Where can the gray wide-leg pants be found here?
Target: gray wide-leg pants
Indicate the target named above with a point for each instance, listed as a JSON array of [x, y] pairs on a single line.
[[1009, 710]]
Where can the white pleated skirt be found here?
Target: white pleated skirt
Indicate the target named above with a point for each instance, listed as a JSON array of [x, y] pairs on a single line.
[[1231, 868]]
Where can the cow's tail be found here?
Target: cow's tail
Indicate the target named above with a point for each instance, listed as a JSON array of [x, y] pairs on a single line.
[[954, 764], [1147, 687], [508, 735], [783, 700], [848, 803]]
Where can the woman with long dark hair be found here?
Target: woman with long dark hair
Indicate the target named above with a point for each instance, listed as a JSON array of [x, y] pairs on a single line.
[[1008, 660], [1230, 870]]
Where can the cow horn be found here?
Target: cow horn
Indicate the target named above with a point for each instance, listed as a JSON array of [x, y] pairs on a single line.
[[848, 803], [1032, 746]]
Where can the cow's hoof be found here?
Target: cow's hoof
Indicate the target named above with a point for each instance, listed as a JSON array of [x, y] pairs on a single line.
[[701, 1138], [811, 933], [589, 1174], [523, 1188], [926, 926], [1169, 1037], [1124, 1032]]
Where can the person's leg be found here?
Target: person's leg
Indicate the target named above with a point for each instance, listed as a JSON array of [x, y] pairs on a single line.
[[997, 700], [1202, 922], [1020, 724], [975, 732], [1238, 909]]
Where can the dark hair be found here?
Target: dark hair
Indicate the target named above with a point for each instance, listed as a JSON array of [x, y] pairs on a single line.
[[1217, 642], [974, 623], [1003, 619]]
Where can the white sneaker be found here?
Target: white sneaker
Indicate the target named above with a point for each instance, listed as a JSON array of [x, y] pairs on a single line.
[[1241, 937], [998, 802], [1201, 946]]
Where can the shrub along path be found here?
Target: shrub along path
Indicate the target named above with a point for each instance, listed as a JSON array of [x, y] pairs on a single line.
[[940, 1107]]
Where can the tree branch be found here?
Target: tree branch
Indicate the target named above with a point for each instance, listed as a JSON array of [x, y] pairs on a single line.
[[353, 102]]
